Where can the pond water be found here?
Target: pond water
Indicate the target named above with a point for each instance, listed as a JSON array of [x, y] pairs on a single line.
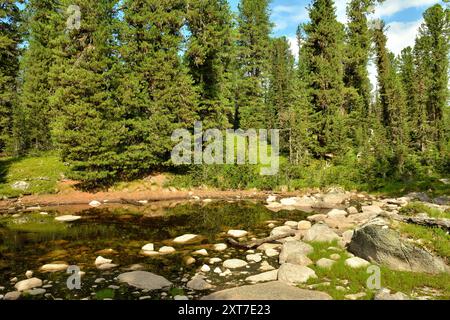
[[30, 240]]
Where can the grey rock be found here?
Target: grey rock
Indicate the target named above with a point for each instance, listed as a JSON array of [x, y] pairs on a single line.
[[325, 263], [294, 247], [28, 284], [35, 292], [385, 246], [262, 277], [295, 274], [385, 294], [198, 283], [13, 295], [144, 280], [268, 291], [320, 233], [20, 185]]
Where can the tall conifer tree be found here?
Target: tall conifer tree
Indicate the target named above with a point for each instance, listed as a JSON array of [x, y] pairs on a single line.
[[210, 55], [254, 39], [325, 73], [9, 66]]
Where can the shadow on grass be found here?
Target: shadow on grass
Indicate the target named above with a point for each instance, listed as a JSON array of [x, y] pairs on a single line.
[[5, 164]]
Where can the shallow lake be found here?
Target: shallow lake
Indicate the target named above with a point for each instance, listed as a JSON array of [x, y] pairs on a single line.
[[30, 240]]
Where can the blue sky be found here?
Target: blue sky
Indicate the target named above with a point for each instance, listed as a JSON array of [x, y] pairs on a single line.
[[403, 18]]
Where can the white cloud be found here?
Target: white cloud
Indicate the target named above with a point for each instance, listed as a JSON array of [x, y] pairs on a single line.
[[293, 41], [286, 16], [402, 34], [391, 7]]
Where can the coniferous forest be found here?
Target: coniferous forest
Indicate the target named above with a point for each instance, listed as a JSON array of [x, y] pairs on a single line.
[[105, 96]]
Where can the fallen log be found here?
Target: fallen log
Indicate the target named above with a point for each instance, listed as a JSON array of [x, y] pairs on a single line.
[[256, 243], [132, 202]]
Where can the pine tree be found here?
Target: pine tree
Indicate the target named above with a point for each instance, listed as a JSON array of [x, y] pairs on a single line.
[[281, 80], [324, 63], [9, 66], [210, 52], [410, 79], [435, 34], [254, 39], [156, 92], [88, 129], [32, 129], [392, 104], [358, 40]]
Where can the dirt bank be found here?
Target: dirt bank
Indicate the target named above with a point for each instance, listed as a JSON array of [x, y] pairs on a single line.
[[74, 197]]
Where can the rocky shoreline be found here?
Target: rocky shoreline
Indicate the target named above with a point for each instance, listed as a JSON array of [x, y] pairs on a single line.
[[362, 228]]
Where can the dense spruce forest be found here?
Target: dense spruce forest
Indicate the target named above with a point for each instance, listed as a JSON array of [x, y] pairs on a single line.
[[106, 95]]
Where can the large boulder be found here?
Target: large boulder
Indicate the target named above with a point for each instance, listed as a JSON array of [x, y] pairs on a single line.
[[295, 274], [382, 245], [331, 200], [293, 248], [320, 233], [268, 291], [144, 280]]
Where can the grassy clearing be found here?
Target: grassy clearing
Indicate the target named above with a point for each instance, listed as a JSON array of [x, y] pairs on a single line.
[[435, 239], [343, 280], [418, 207], [41, 172]]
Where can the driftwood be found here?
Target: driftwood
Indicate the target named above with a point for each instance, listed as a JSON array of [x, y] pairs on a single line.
[[132, 202], [257, 243]]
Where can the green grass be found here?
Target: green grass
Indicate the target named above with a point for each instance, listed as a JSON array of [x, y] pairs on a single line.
[[434, 239], [41, 172], [396, 281], [414, 208]]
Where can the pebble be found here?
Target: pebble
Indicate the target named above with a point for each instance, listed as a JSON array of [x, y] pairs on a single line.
[[271, 252], [99, 280], [201, 252], [14, 295], [166, 250], [149, 247], [215, 260], [205, 268], [355, 296], [237, 233], [356, 262], [220, 247], [234, 263], [254, 257]]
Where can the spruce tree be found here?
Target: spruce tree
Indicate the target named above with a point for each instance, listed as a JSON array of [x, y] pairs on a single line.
[[392, 104], [210, 53], [281, 80], [9, 67], [156, 92], [408, 76], [253, 44], [88, 129], [358, 47], [32, 129], [325, 72], [436, 36]]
